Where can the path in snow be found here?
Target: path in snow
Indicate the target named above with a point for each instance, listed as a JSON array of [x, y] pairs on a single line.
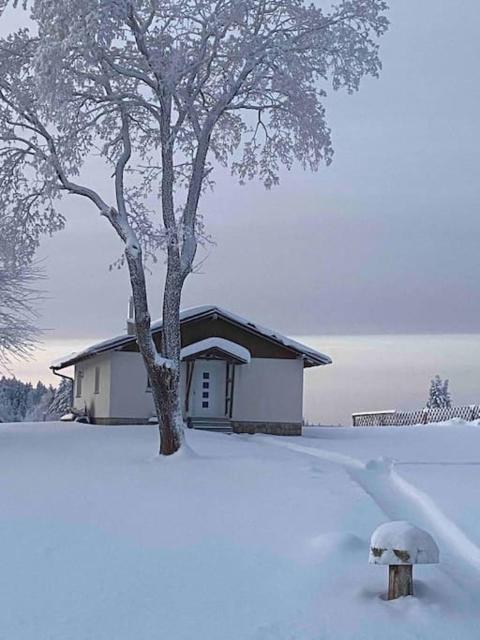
[[400, 500]]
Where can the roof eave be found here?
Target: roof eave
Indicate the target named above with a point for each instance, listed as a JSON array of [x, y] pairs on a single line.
[[316, 362]]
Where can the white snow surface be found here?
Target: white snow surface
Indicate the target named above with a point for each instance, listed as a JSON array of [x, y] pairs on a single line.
[[391, 540], [238, 537], [227, 346]]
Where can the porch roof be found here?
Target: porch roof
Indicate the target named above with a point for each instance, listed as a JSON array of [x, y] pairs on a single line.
[[216, 348]]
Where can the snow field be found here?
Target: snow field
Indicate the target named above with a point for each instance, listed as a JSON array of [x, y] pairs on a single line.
[[245, 538]]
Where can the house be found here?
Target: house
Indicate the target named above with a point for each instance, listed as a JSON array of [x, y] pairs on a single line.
[[235, 376]]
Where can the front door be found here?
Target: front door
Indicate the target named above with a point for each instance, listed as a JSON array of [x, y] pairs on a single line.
[[208, 389]]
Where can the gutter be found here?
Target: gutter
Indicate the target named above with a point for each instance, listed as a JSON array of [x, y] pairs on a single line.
[[62, 375]]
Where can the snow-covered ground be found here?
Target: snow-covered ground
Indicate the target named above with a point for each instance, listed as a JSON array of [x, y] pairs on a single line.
[[251, 538]]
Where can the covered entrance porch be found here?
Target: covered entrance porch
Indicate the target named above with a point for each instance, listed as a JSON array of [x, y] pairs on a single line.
[[210, 367]]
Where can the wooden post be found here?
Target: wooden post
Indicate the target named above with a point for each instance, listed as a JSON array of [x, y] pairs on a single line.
[[232, 392], [400, 581], [190, 368]]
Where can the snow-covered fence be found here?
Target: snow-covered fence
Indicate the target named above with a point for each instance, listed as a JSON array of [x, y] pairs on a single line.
[[394, 418]]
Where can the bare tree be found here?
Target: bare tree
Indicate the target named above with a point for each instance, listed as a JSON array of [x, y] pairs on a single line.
[[163, 91], [18, 332]]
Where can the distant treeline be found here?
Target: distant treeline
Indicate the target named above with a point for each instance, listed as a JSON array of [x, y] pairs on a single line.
[[23, 402]]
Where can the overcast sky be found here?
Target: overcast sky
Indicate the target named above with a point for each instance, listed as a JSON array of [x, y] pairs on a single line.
[[384, 240]]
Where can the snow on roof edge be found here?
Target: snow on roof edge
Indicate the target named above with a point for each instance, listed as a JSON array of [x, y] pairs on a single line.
[[374, 413], [227, 346], [188, 314]]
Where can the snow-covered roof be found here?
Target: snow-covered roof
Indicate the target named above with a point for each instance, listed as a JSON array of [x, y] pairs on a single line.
[[236, 351], [399, 542], [311, 357]]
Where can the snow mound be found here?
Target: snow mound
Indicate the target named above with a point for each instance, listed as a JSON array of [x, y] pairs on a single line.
[[337, 541], [68, 417], [399, 542], [384, 464]]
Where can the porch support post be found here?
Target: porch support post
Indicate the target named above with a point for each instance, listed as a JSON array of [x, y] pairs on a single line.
[[227, 386], [232, 388], [190, 367]]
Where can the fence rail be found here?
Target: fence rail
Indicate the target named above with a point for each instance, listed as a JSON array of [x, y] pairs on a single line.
[[423, 416]]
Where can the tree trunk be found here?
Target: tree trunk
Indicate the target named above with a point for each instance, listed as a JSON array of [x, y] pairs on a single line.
[[400, 581], [164, 377], [172, 420], [165, 391]]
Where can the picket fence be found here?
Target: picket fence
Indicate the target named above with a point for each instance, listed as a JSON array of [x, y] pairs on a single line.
[[422, 416]]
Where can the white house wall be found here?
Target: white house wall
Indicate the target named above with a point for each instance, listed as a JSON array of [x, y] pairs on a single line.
[[130, 396], [269, 390], [97, 404], [266, 390]]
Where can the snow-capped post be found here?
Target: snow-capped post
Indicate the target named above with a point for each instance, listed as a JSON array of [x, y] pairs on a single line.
[[400, 545], [163, 92]]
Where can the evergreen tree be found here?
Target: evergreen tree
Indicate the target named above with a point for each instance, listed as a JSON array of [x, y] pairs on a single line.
[[62, 400], [439, 395], [21, 401], [13, 399], [39, 400]]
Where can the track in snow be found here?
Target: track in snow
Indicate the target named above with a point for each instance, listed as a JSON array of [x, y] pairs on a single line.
[[400, 500]]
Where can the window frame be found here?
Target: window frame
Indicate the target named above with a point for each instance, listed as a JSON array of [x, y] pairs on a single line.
[[96, 382], [78, 383]]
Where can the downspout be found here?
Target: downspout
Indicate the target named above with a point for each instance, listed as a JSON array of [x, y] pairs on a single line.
[[72, 380], [62, 375]]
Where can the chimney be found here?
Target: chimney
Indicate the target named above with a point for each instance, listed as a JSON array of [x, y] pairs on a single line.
[[131, 318]]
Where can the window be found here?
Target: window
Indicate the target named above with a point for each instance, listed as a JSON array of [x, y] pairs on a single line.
[[205, 387], [149, 384], [97, 380], [79, 377]]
